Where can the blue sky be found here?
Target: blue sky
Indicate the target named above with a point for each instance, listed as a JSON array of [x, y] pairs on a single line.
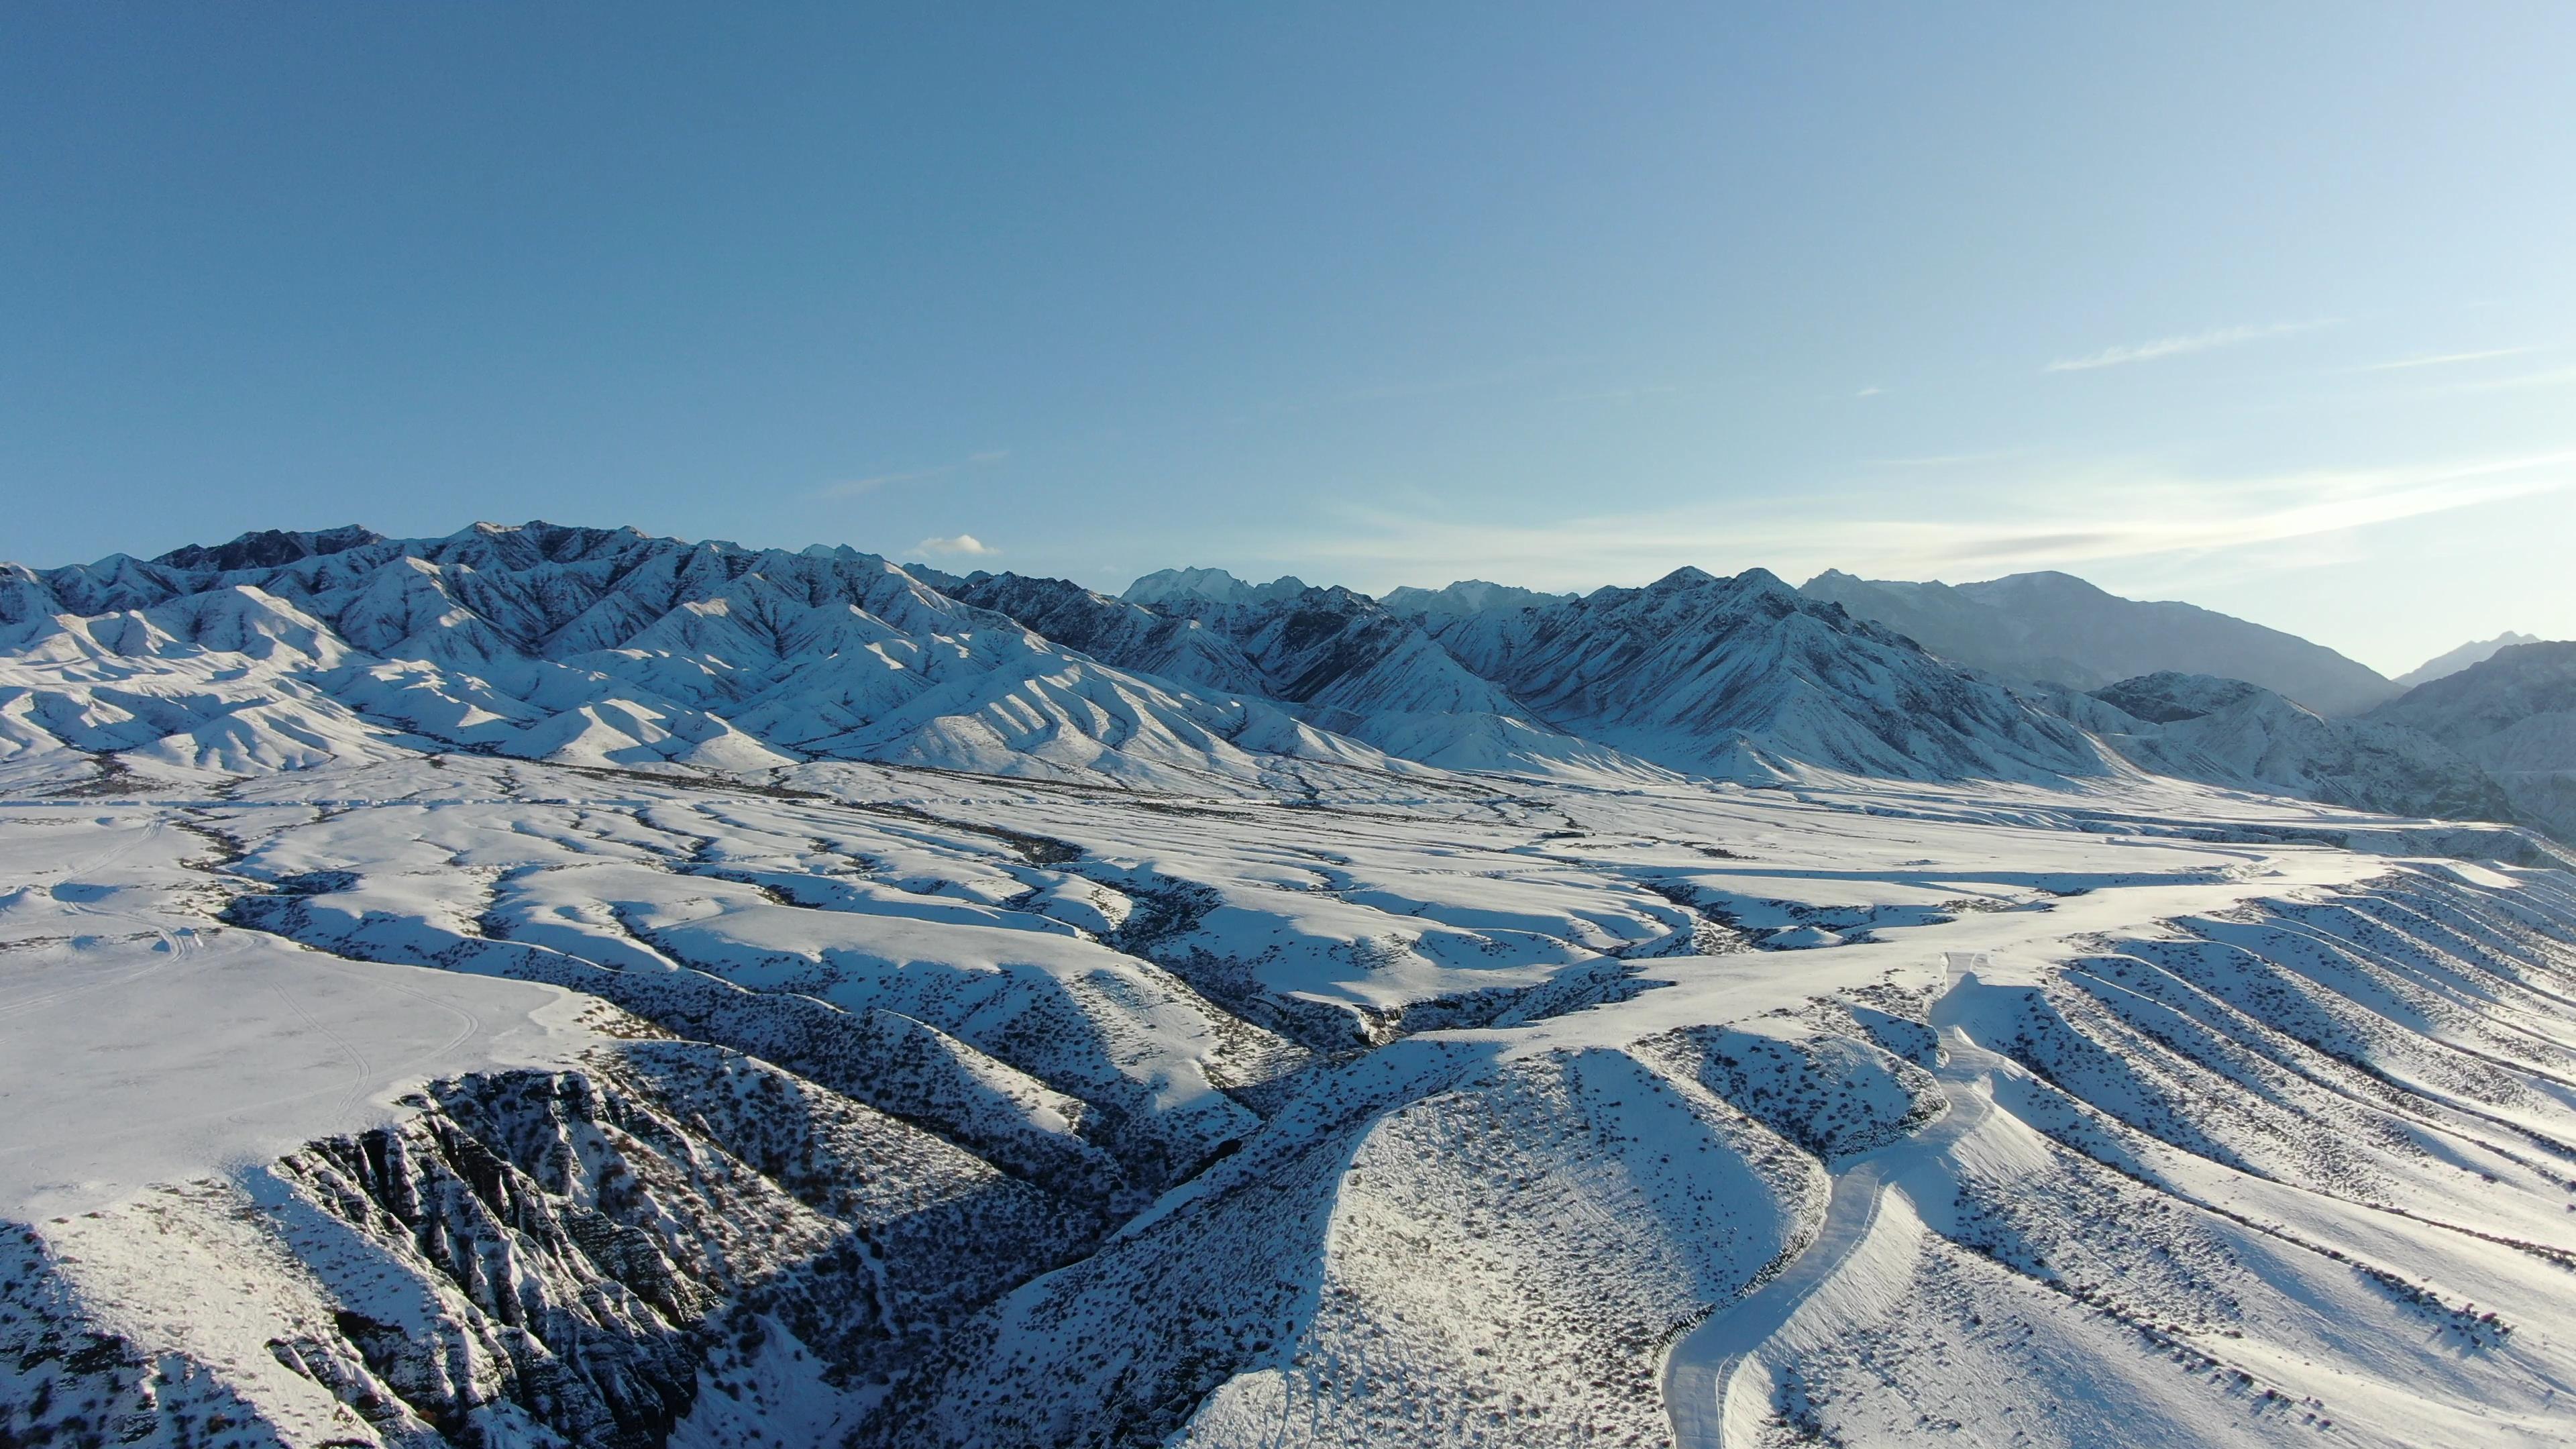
[[2269, 308]]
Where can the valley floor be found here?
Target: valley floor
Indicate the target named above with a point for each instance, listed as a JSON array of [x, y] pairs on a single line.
[[455, 1100]]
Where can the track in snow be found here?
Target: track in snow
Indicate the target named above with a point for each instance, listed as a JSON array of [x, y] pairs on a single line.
[[1701, 1375]]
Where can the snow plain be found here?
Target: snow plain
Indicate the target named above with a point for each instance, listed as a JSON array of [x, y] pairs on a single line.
[[140, 1042]]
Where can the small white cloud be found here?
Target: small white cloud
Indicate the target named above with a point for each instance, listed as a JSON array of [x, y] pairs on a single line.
[[2176, 346], [1872, 390], [965, 543]]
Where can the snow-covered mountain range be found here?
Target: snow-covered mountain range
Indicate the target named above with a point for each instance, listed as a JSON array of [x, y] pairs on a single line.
[[560, 987], [605, 646], [609, 647]]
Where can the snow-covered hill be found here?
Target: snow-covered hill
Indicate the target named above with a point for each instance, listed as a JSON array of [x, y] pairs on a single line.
[[2228, 732], [2514, 713], [2058, 628]]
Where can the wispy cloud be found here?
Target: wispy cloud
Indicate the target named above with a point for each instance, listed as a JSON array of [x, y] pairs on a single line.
[[962, 543], [1947, 460], [2044, 514], [2444, 359], [1617, 394], [2164, 347], [1872, 390], [860, 487], [2547, 377]]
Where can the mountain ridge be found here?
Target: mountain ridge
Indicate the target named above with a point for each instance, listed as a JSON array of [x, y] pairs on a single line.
[[2057, 628], [611, 646], [2452, 661]]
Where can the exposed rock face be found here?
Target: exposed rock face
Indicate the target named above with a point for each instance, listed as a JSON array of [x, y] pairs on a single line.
[[268, 548], [582, 1258]]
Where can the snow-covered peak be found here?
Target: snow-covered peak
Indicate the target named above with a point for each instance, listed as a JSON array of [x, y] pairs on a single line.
[[1687, 577], [267, 548], [1747, 677], [2507, 686], [1466, 596], [2513, 712], [1165, 586]]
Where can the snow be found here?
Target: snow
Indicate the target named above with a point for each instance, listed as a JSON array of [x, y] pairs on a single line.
[[552, 986], [141, 1042]]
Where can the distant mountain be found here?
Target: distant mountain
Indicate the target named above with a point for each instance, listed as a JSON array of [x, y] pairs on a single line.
[[2229, 732], [2058, 628], [1331, 657], [269, 548], [1165, 586], [1748, 678], [593, 646], [1467, 596], [2444, 665], [609, 647], [2514, 713], [1114, 631]]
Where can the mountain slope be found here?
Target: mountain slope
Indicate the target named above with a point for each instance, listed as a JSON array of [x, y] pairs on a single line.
[[2058, 628], [1335, 658], [1744, 677], [2228, 732], [1130, 636], [2514, 713], [2442, 666]]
